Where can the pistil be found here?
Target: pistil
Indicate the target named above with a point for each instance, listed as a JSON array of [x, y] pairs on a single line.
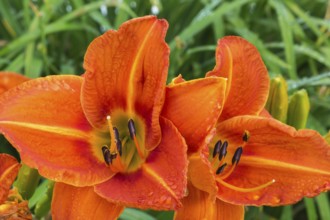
[[239, 189], [115, 150], [112, 135]]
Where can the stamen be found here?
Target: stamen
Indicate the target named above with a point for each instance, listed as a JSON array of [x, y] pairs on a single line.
[[131, 128], [221, 168], [223, 150], [246, 136], [217, 147], [132, 132], [239, 189], [112, 134], [106, 155], [117, 141], [138, 147], [237, 155], [228, 173]]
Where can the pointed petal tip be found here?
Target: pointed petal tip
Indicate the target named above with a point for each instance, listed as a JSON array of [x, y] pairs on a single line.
[[248, 80]]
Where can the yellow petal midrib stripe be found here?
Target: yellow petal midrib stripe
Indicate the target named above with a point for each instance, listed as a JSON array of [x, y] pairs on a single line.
[[160, 180], [263, 162], [63, 131], [7, 171], [138, 55]]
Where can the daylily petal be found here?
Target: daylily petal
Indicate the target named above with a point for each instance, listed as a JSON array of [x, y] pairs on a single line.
[[71, 202], [44, 120], [200, 173], [127, 70], [265, 113], [198, 206], [298, 162], [194, 108], [9, 80], [8, 171], [248, 82], [161, 181]]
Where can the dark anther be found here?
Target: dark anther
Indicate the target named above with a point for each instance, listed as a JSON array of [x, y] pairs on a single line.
[[131, 128], [106, 155], [117, 140], [119, 147], [217, 147], [223, 150], [221, 169], [246, 136], [237, 156], [116, 133]]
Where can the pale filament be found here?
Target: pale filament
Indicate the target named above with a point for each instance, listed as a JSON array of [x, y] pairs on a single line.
[[239, 189], [112, 135], [138, 147]]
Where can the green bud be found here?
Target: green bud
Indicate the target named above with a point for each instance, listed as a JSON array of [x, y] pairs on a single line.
[[27, 181], [43, 205], [327, 137], [298, 109], [277, 103]]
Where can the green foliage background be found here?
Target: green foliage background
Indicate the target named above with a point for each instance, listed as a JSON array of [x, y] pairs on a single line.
[[43, 37]]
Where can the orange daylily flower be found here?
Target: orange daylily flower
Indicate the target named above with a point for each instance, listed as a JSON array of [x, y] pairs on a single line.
[[12, 206], [101, 137], [251, 159]]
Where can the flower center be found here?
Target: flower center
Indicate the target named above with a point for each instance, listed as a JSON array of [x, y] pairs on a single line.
[[125, 151], [224, 168]]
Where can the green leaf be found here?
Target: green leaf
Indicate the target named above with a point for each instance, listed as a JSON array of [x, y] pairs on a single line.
[[323, 206], [286, 22], [135, 214], [310, 208], [203, 21]]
